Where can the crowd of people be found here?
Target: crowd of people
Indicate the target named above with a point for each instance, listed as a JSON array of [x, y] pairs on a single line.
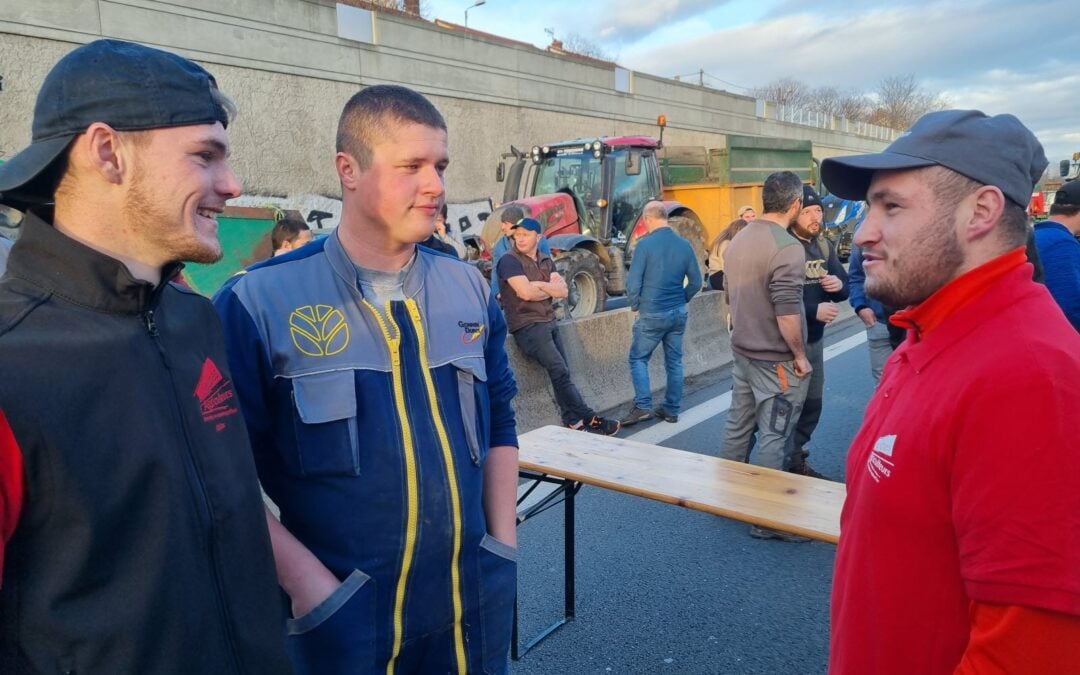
[[362, 381]]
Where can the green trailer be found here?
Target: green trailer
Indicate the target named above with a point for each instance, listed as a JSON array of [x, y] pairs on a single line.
[[245, 240]]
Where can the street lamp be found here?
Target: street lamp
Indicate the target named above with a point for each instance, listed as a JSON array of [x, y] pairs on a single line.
[[475, 4]]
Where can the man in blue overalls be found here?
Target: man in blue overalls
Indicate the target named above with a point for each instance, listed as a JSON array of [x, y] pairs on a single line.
[[375, 384]]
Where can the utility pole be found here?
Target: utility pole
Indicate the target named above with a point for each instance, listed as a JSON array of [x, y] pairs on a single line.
[[701, 77]]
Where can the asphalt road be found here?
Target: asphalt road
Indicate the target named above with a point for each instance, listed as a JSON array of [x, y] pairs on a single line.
[[662, 589]]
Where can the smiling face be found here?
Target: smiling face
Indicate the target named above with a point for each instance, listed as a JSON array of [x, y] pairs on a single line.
[[180, 181], [909, 240], [401, 191]]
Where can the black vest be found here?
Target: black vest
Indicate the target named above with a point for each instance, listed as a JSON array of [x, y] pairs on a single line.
[[520, 313]]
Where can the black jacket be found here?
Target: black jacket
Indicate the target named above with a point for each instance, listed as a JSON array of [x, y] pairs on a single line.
[[142, 544], [820, 260]]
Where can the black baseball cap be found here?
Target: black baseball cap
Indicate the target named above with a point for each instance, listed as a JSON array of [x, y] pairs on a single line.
[[1068, 194], [130, 87], [998, 151]]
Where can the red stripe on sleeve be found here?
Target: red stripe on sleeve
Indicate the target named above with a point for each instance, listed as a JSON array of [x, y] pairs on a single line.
[[11, 485]]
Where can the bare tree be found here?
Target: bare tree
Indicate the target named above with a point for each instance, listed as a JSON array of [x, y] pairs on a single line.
[[897, 102], [900, 100], [411, 7], [831, 101], [786, 91], [579, 44], [854, 105]]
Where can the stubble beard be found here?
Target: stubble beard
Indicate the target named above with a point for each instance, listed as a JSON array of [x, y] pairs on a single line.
[[161, 233], [922, 270]]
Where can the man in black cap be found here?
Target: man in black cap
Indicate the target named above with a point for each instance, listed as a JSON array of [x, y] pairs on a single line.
[[1059, 250], [133, 537], [960, 538], [824, 286]]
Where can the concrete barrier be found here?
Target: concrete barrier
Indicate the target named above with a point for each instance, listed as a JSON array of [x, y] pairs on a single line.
[[597, 347]]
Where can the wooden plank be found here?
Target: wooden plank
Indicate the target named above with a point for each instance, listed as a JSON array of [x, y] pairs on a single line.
[[745, 492]]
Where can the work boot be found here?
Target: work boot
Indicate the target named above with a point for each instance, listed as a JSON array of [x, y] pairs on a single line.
[[635, 415], [602, 425], [804, 469], [663, 414], [768, 533]]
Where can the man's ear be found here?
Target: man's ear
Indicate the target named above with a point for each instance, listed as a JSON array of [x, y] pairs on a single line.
[[101, 150], [987, 205], [348, 170]]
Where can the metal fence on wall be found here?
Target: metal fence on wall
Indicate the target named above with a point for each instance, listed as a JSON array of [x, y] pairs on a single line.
[[782, 113]]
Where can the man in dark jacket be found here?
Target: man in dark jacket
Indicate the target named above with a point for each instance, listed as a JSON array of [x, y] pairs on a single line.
[[132, 531], [824, 286]]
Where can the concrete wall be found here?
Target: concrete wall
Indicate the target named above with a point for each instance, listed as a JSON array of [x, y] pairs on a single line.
[[290, 73], [597, 347]]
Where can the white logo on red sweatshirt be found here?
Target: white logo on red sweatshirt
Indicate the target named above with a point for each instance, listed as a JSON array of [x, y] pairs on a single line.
[[879, 463]]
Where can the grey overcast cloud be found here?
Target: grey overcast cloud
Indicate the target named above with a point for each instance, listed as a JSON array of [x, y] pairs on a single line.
[[994, 55]]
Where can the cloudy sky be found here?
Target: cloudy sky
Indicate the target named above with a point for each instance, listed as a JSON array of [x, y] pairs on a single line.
[[1015, 56]]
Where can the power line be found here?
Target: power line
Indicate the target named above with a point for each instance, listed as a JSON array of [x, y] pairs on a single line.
[[700, 76]]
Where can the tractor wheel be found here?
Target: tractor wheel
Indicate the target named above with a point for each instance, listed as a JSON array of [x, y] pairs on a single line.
[[586, 282], [690, 230]]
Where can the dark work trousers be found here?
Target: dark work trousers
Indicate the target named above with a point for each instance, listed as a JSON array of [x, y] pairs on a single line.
[[540, 342], [811, 410]]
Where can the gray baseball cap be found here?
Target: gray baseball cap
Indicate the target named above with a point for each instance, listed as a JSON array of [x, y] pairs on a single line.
[[998, 151]]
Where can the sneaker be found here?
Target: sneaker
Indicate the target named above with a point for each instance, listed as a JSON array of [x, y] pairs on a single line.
[[805, 469], [767, 533], [602, 425], [663, 414], [635, 415]]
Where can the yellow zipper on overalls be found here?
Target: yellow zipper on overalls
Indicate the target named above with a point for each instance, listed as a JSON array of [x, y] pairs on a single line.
[[451, 478], [412, 488]]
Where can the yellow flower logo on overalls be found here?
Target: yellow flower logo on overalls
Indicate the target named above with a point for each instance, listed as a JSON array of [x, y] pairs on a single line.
[[319, 330]]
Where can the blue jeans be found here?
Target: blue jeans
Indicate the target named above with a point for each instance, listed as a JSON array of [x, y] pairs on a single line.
[[649, 331]]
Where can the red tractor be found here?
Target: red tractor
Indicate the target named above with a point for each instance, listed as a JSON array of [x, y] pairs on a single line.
[[589, 194]]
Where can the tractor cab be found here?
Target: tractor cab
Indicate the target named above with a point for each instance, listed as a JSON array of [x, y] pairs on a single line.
[[593, 187]]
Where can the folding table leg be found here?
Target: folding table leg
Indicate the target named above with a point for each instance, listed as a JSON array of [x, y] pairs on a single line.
[[569, 489]]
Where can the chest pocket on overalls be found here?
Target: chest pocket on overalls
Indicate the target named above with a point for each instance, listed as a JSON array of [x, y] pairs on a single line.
[[475, 413], [324, 421]]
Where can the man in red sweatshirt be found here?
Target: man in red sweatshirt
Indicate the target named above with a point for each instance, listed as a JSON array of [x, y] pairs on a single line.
[[960, 544]]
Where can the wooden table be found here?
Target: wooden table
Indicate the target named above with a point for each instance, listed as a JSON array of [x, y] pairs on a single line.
[[745, 492]]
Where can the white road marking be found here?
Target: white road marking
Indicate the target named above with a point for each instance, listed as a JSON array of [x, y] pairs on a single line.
[[661, 431]]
